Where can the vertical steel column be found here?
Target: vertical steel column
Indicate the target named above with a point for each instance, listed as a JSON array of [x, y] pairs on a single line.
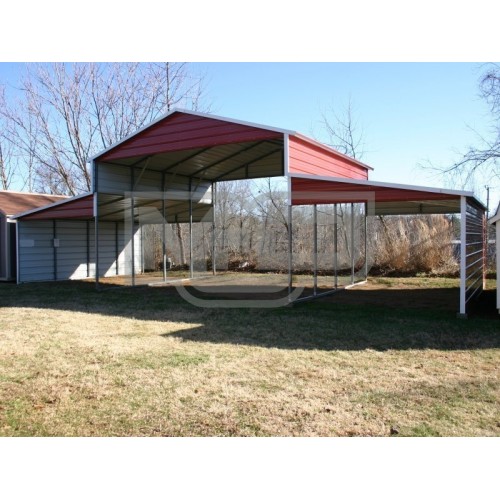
[[214, 256], [117, 253], [335, 246], [87, 223], [96, 238], [141, 233], [164, 227], [315, 248], [54, 236], [164, 237], [191, 263], [95, 182], [352, 243], [463, 254], [290, 249], [132, 242], [366, 241]]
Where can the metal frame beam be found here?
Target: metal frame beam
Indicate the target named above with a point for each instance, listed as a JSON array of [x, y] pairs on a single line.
[[214, 243], [246, 165], [315, 249], [352, 243], [164, 228], [191, 263], [184, 160], [229, 157], [335, 247]]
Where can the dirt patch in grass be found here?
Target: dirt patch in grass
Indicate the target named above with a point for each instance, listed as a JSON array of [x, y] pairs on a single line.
[[142, 362]]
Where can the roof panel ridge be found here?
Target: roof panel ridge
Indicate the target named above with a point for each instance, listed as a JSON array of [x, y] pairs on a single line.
[[28, 193]]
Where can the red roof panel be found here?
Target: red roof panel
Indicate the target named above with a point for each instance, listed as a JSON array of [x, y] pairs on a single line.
[[179, 131], [311, 192], [74, 208]]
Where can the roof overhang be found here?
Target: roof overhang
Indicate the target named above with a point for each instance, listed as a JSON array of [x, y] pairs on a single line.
[[78, 207], [384, 198]]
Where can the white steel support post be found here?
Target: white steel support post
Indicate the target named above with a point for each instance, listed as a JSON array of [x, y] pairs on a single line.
[[141, 232], [290, 248], [463, 255], [164, 237], [164, 227], [366, 241], [352, 243], [315, 249], [96, 222], [191, 263], [117, 252], [335, 246], [214, 256], [132, 235]]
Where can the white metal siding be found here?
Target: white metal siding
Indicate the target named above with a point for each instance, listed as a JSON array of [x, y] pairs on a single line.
[[72, 250], [113, 179], [474, 251], [36, 251]]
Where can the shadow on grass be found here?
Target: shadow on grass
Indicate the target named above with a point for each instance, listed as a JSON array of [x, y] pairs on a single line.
[[358, 319]]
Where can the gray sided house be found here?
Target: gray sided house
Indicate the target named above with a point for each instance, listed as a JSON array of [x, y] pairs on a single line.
[[12, 203]]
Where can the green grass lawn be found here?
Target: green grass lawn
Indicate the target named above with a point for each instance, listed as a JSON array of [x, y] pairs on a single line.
[[143, 362]]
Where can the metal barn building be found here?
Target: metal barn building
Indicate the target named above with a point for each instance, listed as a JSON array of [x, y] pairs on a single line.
[[168, 172], [12, 203]]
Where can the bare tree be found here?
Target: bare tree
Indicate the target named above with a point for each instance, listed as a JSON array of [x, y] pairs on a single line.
[[343, 130], [346, 135], [68, 112], [480, 161], [5, 169], [6, 165]]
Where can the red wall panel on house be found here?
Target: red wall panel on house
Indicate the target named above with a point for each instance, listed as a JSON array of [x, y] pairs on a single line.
[[182, 131], [307, 157], [81, 208]]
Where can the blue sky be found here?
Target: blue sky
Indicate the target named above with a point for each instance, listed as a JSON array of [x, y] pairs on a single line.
[[410, 112]]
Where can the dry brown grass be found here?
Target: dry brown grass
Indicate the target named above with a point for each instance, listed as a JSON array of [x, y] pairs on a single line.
[[141, 362]]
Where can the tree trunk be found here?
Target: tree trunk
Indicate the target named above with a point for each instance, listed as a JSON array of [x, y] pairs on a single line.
[[180, 237]]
